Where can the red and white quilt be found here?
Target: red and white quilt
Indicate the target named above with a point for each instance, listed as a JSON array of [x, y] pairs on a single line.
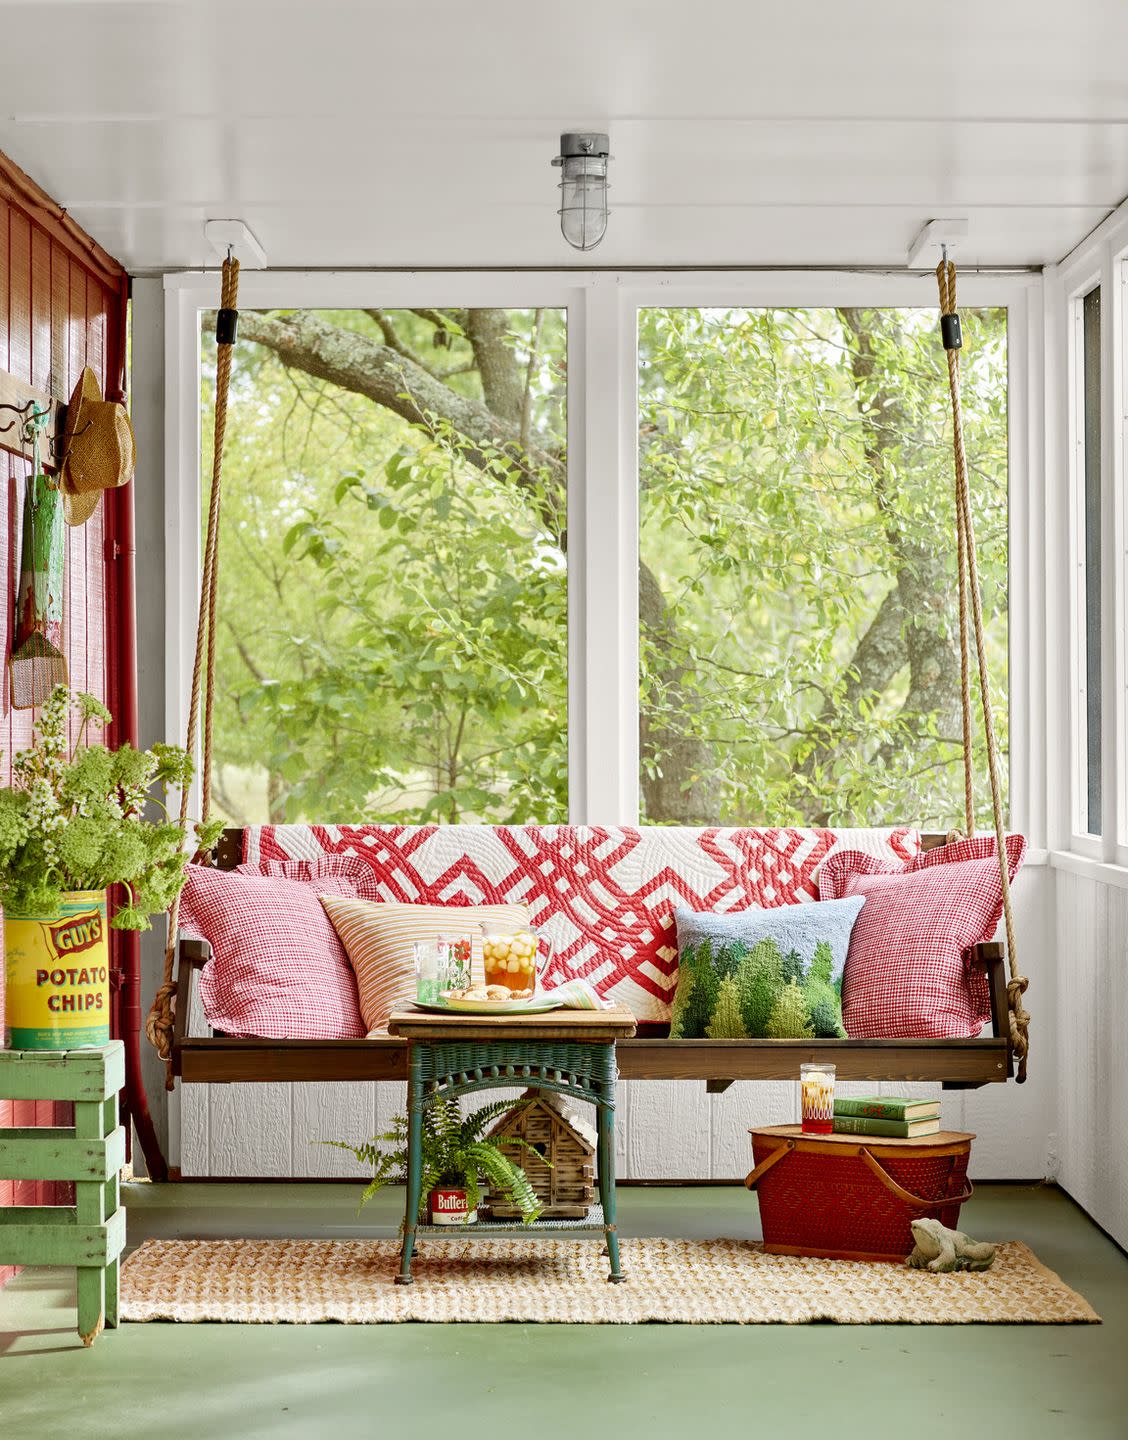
[[604, 897]]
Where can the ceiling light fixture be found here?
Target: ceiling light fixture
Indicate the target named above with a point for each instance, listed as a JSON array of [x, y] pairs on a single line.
[[583, 188]]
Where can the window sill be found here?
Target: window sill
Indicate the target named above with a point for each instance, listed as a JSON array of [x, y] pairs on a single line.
[[1090, 869]]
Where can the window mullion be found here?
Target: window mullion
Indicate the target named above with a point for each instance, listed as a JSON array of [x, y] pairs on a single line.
[[603, 564]]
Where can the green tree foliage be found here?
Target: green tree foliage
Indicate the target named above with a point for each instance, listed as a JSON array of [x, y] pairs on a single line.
[[393, 638], [727, 1022], [797, 516], [822, 962], [702, 992], [394, 630], [789, 1017], [760, 979], [821, 996]]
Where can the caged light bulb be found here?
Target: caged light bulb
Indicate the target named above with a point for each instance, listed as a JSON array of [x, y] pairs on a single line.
[[583, 189]]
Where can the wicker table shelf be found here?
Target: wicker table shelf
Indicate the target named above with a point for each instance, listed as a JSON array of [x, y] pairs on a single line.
[[590, 1227], [571, 1052], [90, 1234]]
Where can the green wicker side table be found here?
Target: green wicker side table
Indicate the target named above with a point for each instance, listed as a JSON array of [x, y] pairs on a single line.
[[90, 1234], [569, 1051]]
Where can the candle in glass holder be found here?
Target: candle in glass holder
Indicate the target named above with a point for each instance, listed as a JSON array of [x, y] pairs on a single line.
[[816, 1086]]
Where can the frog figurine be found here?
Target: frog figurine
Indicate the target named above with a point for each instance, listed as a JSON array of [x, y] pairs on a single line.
[[942, 1250]]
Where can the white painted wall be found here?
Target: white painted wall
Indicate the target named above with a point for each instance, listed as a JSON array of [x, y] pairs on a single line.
[[666, 1129], [1092, 947]]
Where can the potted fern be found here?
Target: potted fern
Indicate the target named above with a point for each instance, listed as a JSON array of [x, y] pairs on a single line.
[[457, 1156]]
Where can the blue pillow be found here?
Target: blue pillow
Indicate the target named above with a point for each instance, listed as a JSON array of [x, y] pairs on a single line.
[[763, 974]]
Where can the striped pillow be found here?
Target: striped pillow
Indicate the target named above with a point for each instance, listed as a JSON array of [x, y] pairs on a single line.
[[378, 940]]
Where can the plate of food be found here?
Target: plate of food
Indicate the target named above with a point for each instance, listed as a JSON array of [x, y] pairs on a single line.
[[490, 1000]]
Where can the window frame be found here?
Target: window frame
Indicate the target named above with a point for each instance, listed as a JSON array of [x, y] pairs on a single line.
[[1082, 839], [602, 310], [1101, 259]]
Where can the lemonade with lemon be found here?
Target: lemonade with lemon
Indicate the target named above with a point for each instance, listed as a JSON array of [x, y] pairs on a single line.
[[511, 960]]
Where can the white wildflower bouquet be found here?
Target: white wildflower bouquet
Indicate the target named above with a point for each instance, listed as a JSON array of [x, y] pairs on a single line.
[[75, 818]]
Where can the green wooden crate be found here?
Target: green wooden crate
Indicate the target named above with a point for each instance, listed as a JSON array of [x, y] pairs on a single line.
[[49, 1152], [35, 1235], [62, 1074], [90, 1234]]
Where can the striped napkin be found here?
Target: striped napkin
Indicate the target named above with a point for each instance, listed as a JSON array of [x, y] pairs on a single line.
[[576, 995]]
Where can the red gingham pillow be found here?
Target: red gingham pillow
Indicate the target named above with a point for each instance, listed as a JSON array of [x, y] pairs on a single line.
[[278, 969], [907, 975]]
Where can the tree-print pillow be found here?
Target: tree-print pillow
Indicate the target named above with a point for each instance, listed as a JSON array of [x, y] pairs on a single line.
[[763, 974]]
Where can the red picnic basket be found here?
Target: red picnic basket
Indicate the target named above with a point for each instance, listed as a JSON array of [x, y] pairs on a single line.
[[850, 1197]]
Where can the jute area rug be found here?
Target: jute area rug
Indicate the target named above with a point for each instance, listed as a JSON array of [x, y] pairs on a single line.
[[697, 1282]]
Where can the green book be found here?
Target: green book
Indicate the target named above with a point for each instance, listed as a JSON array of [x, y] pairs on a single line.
[[895, 1129], [887, 1107]]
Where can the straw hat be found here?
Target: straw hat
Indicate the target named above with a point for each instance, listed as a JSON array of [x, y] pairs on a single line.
[[98, 449]]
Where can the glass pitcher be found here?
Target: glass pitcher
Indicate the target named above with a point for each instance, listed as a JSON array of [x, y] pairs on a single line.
[[515, 959]]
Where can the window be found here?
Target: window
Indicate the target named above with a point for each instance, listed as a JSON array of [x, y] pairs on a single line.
[[1090, 441], [798, 621], [393, 585], [601, 547]]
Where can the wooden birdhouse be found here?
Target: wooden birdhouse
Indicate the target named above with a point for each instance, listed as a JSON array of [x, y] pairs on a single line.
[[564, 1178]]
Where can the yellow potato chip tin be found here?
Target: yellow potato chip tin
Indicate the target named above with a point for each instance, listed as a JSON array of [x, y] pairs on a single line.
[[57, 976]]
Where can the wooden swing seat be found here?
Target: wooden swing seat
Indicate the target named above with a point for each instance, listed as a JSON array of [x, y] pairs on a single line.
[[650, 1055]]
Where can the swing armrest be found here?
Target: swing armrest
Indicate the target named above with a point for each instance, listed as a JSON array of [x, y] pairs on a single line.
[[992, 958], [196, 953], [193, 955]]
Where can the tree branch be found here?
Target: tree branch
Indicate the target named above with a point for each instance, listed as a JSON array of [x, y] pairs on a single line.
[[393, 342], [530, 376], [303, 341]]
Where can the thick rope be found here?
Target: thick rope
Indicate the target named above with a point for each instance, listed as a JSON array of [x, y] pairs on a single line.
[[159, 1024], [947, 307], [969, 590]]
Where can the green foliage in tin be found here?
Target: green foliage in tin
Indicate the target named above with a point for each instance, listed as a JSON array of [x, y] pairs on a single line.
[[74, 818]]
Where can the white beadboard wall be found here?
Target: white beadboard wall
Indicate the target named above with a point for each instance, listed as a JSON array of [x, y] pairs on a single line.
[[1092, 944], [669, 1129]]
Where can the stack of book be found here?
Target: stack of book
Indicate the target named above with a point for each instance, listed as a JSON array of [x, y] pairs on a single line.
[[890, 1115]]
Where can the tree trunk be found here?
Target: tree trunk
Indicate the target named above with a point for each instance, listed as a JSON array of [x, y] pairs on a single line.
[[679, 779], [914, 624]]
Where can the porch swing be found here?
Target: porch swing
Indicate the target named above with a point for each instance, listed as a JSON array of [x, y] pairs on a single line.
[[954, 1063]]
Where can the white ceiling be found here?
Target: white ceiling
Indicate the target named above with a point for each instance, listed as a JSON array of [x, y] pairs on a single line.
[[419, 132]]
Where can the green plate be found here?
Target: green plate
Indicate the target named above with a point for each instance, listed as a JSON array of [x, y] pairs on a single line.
[[490, 1007]]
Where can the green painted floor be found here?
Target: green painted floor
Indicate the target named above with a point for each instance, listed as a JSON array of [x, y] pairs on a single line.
[[545, 1382]]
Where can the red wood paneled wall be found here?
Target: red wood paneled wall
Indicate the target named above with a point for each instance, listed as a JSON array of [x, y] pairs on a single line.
[[57, 313]]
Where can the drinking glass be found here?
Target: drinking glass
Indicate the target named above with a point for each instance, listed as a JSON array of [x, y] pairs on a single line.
[[454, 962], [816, 1087], [426, 971]]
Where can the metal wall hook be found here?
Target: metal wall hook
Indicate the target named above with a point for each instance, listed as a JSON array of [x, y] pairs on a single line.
[[30, 419], [56, 444]]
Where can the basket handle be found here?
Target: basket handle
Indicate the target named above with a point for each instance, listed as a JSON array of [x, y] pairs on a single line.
[[767, 1162], [906, 1195]]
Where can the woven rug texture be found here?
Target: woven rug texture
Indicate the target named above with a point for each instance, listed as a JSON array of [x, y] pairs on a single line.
[[696, 1282]]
